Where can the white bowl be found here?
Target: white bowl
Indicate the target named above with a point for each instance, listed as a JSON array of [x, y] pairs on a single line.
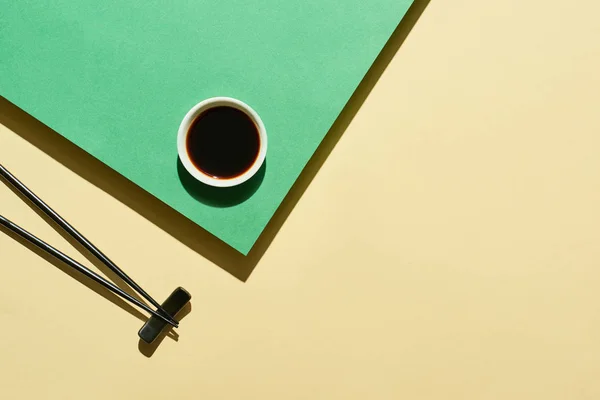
[[184, 128]]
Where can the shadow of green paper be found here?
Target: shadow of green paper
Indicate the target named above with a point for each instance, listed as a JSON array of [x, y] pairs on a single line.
[[171, 221]]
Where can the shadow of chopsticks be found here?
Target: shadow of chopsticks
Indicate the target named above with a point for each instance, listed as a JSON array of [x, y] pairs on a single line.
[[97, 288]]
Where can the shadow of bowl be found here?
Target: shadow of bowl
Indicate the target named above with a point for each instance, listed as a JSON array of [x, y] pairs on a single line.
[[216, 196]]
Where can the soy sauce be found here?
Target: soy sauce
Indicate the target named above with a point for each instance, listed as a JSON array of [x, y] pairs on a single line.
[[223, 142]]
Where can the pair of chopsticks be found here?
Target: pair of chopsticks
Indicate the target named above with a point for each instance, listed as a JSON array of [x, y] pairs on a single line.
[[11, 179]]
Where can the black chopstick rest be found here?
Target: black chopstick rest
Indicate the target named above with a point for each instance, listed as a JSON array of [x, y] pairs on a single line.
[[173, 305]]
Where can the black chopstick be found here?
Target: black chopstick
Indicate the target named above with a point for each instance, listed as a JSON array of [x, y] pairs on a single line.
[[79, 267], [25, 191]]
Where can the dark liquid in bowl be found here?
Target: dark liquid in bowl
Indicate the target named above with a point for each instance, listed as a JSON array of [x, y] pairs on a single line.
[[223, 142]]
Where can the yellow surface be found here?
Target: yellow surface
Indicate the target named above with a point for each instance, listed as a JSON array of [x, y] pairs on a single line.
[[448, 247]]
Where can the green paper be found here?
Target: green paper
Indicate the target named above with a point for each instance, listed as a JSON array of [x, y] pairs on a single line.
[[116, 77]]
